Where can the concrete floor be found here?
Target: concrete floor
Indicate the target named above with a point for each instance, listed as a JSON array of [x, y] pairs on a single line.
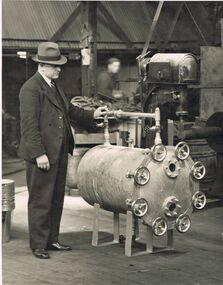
[[198, 258]]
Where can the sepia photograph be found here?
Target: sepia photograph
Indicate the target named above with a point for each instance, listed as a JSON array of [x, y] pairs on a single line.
[[112, 142]]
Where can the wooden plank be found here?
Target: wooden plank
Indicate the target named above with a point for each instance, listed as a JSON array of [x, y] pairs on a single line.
[[128, 241], [152, 28], [196, 11], [95, 232], [173, 24], [57, 35], [93, 138], [222, 32], [211, 101], [211, 66], [6, 226], [156, 35], [113, 25], [89, 48]]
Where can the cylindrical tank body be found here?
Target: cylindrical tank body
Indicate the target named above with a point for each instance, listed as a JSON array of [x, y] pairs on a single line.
[[8, 195], [106, 175], [73, 162], [173, 67]]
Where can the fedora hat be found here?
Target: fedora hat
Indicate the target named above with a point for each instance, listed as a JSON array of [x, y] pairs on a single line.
[[48, 52]]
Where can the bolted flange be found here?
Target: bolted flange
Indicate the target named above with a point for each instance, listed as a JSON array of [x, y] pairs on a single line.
[[172, 207], [172, 168]]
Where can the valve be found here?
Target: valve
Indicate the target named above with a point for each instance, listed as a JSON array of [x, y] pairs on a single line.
[[159, 226], [183, 223], [158, 152], [182, 150], [140, 207], [198, 170], [142, 176], [199, 200]]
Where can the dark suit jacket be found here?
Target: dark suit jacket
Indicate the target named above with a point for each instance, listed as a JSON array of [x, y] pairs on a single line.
[[106, 83], [42, 120]]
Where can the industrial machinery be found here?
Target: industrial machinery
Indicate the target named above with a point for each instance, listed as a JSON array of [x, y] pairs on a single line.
[[179, 85], [158, 185], [167, 81]]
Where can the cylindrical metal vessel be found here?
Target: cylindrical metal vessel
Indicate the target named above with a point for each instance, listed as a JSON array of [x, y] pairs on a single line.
[[73, 162], [183, 67], [118, 178], [8, 205], [8, 195]]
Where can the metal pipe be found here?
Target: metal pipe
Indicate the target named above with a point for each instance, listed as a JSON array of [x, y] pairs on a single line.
[[155, 116], [205, 132], [106, 131], [157, 126], [122, 114]]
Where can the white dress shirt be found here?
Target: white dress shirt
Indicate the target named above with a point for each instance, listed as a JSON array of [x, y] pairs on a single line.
[[48, 81]]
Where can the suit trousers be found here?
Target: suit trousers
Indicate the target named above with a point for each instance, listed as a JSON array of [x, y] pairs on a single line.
[[46, 198]]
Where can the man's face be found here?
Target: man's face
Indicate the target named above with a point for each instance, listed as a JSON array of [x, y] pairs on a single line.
[[114, 67], [51, 71]]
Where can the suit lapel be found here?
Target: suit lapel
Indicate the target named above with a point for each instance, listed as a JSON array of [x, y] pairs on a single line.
[[60, 90], [47, 90]]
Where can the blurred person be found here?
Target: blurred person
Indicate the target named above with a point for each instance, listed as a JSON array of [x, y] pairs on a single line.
[[107, 81]]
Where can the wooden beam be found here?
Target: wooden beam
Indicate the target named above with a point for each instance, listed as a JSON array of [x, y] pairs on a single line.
[[173, 24], [89, 47], [57, 35], [221, 21], [113, 25], [152, 28], [149, 19], [195, 11]]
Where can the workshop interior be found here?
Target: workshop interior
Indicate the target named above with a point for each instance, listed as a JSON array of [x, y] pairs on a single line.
[[144, 185]]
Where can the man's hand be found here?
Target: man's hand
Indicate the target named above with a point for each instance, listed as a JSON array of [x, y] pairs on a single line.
[[43, 162], [100, 112]]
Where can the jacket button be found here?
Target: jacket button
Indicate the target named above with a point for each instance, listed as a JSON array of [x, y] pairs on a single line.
[[60, 117], [59, 127]]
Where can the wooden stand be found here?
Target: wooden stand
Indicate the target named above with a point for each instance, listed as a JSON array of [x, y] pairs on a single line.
[[130, 232], [149, 239], [95, 235], [6, 226]]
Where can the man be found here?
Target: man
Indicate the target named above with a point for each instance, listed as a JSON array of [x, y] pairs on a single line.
[[46, 140], [107, 81]]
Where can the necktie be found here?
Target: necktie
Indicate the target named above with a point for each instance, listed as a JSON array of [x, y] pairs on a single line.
[[52, 84]]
